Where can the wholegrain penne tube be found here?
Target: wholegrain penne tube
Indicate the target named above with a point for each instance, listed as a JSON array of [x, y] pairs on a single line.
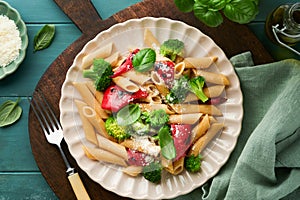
[[212, 77], [113, 59], [137, 77], [190, 118], [97, 94], [201, 143], [199, 63], [88, 128], [112, 147], [159, 83], [102, 52], [178, 69], [214, 91], [167, 164], [126, 84], [201, 128], [95, 120], [196, 108], [149, 39], [178, 166], [132, 170], [90, 99], [106, 156]]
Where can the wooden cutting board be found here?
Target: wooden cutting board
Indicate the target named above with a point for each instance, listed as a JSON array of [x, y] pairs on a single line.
[[231, 37]]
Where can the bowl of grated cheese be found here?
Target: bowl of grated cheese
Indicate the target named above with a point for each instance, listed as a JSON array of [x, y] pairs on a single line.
[[13, 39]]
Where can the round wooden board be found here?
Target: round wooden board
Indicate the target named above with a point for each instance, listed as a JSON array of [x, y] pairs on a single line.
[[231, 37]]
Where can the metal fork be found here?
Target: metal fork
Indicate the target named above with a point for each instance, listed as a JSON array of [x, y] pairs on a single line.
[[54, 135]]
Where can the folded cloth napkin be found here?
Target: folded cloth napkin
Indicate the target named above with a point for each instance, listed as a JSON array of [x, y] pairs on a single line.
[[265, 163]]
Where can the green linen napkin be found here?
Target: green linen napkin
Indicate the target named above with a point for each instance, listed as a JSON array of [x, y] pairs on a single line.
[[266, 161]]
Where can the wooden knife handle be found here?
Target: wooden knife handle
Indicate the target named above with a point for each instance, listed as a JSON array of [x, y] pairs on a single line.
[[78, 187]]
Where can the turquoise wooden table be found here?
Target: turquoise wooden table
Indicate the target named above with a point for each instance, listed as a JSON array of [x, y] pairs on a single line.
[[20, 177]]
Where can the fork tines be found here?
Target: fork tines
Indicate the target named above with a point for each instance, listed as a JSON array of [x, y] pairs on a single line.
[[44, 113]]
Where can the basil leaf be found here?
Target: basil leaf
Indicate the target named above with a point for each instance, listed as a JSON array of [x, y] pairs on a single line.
[[166, 143], [241, 11], [210, 17], [144, 60], [128, 114], [10, 112], [185, 5], [44, 37]]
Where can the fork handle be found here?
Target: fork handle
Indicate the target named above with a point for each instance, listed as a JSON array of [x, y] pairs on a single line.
[[78, 187]]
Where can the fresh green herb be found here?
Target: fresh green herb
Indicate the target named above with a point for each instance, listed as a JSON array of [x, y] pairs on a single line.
[[166, 143], [210, 11], [128, 114], [44, 37], [10, 112], [144, 60]]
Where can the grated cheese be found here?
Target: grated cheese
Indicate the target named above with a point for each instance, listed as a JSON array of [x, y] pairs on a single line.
[[10, 41]]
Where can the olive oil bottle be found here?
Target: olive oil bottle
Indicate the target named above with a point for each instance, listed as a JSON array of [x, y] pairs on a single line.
[[283, 25]]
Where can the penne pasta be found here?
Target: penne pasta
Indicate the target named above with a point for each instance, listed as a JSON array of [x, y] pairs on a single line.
[[212, 77], [159, 83], [201, 143], [178, 166], [113, 59], [95, 120], [106, 156], [88, 128], [112, 147], [213, 91], [102, 52], [201, 128], [126, 84], [178, 69], [190, 118], [137, 77], [132, 170], [150, 40], [199, 63], [89, 98], [196, 108]]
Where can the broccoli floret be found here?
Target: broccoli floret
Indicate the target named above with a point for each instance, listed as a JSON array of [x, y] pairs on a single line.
[[100, 73], [152, 172], [116, 131], [172, 48], [193, 163], [156, 118], [179, 91], [196, 86], [137, 128]]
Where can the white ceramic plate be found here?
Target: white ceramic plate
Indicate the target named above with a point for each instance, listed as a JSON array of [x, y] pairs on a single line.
[[130, 34]]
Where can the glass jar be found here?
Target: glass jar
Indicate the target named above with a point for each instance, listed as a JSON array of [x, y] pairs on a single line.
[[283, 25]]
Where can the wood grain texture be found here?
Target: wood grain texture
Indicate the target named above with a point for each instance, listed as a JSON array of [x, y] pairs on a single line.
[[231, 37]]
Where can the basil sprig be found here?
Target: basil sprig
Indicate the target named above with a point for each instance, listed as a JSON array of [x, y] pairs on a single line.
[[128, 114], [44, 37], [210, 11], [10, 112], [144, 60], [166, 143]]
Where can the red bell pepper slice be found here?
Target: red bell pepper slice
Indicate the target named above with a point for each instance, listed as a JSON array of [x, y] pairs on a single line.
[[138, 158], [182, 137], [166, 71], [115, 98], [126, 65]]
